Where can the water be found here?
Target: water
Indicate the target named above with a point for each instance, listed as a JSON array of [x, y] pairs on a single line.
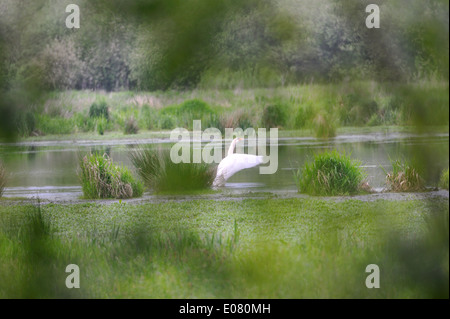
[[49, 169]]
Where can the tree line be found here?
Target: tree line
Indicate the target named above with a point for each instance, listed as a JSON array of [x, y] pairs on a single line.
[[180, 44]]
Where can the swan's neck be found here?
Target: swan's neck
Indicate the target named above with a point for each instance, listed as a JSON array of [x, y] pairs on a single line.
[[232, 146]]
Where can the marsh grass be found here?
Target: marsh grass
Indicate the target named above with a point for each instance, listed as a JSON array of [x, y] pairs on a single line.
[[185, 113], [161, 174], [321, 107], [29, 242], [3, 178], [131, 126], [101, 178], [99, 109], [330, 173], [404, 177], [226, 249], [443, 182], [323, 126]]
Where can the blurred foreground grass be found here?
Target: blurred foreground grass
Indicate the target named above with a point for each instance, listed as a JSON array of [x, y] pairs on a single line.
[[254, 248]]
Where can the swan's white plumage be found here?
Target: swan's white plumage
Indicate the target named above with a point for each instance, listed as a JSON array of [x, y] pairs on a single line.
[[234, 163]]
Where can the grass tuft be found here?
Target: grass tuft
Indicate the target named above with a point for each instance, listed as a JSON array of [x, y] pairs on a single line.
[[443, 182], [131, 126], [404, 177], [330, 173], [161, 174], [101, 178], [3, 179], [324, 126]]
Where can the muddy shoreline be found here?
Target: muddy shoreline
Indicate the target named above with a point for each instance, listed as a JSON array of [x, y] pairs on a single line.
[[232, 196]]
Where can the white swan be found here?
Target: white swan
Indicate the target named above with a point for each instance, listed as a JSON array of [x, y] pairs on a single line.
[[233, 163]]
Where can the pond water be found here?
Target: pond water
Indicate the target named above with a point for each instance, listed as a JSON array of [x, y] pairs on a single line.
[[49, 169]]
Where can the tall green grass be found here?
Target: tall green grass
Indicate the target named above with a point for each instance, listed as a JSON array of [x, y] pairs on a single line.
[[318, 107], [101, 178], [2, 178], [131, 126], [404, 177], [34, 259], [443, 182], [324, 126], [252, 248], [330, 173], [161, 174], [99, 109]]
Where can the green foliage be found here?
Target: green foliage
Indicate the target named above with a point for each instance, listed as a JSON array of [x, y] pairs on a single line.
[[324, 126], [101, 125], [404, 177], [194, 108], [84, 123], [54, 125], [99, 109], [200, 248], [242, 118], [151, 46], [330, 173], [184, 114], [131, 126], [274, 115], [321, 108], [101, 178], [304, 117], [443, 182], [167, 122], [357, 109], [26, 123], [3, 178], [161, 174], [148, 118]]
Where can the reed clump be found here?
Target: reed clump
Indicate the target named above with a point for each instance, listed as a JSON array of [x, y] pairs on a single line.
[[101, 178], [331, 173], [161, 174]]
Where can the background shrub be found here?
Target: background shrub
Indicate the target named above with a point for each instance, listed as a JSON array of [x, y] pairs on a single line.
[[99, 109], [274, 115], [167, 122], [330, 173], [184, 114]]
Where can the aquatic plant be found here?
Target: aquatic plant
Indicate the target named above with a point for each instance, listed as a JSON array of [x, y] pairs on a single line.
[[331, 173], [161, 174], [443, 182], [101, 178], [404, 177]]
